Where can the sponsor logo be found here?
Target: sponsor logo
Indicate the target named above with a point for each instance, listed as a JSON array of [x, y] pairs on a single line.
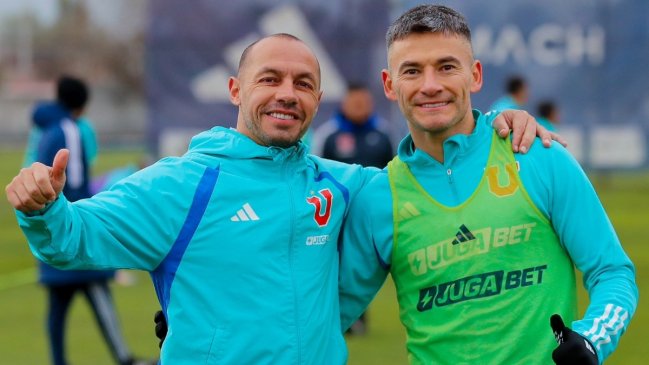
[[246, 213], [463, 235], [446, 252], [478, 286], [321, 215], [317, 240]]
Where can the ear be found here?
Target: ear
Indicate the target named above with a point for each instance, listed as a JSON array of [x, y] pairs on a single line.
[[387, 85], [476, 76], [235, 89]]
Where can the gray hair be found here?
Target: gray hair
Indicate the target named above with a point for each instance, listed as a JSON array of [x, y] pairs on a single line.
[[428, 19]]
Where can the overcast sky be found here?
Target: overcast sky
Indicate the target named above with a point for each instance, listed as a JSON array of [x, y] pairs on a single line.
[[45, 10], [119, 17]]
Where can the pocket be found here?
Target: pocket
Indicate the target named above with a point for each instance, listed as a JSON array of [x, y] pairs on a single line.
[[217, 345]]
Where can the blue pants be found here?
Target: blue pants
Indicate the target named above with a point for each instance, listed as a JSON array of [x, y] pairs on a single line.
[[98, 295]]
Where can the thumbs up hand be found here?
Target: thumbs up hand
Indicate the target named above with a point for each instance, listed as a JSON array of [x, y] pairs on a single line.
[[573, 349], [38, 184]]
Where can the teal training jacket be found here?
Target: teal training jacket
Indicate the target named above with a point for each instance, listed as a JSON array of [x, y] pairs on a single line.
[[241, 242]]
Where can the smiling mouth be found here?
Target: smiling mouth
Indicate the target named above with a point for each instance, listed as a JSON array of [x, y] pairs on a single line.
[[283, 116], [434, 105]]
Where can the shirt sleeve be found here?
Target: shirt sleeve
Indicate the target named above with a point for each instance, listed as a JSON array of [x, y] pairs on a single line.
[[587, 234], [366, 249], [131, 226]]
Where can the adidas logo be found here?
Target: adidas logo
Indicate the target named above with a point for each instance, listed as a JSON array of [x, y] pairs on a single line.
[[408, 210], [245, 214], [463, 235]]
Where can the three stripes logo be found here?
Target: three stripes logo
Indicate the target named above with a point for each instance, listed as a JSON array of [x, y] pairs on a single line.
[[463, 235], [245, 214]]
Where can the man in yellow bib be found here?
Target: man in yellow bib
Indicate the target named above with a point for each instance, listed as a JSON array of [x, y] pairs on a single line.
[[483, 244]]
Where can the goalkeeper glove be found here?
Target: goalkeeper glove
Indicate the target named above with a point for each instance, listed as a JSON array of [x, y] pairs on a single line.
[[160, 327], [573, 349]]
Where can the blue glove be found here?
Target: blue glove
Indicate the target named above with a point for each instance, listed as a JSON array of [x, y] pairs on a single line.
[[573, 349]]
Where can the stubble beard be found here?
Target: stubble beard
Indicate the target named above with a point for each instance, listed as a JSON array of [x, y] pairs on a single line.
[[266, 140]]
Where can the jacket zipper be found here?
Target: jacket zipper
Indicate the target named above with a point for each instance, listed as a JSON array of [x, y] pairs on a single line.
[[449, 174], [291, 258]]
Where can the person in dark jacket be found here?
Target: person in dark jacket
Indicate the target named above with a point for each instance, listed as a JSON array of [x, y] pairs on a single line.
[[353, 134], [58, 122]]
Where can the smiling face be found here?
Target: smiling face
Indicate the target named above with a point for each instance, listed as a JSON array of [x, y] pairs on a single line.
[[431, 77], [277, 91]]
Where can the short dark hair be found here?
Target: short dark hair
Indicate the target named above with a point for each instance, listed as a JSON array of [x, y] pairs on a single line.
[[428, 19], [72, 93], [546, 108], [515, 84]]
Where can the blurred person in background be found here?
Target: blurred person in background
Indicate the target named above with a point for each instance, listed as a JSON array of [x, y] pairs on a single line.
[[516, 95], [483, 243], [56, 128], [353, 134], [240, 233], [548, 115], [50, 112]]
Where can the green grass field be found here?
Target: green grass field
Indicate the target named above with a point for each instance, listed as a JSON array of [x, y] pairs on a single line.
[[22, 301]]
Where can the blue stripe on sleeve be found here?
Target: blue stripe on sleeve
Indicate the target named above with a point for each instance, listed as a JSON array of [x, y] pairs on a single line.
[[341, 187], [164, 274]]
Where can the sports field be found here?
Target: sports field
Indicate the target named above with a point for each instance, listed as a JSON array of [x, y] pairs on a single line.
[[22, 301]]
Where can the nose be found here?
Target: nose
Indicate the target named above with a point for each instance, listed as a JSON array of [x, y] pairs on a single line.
[[286, 92], [430, 84]]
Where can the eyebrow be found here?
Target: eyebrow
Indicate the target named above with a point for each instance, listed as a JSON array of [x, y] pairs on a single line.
[[447, 59], [274, 71]]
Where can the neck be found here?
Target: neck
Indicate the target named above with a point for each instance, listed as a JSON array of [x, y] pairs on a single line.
[[433, 142]]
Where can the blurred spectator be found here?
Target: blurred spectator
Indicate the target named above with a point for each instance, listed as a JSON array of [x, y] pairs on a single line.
[[57, 125], [49, 112], [516, 96], [352, 135], [548, 115]]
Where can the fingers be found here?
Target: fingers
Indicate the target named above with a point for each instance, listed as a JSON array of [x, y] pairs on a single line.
[[500, 124], [525, 135], [523, 127], [544, 135], [556, 322], [31, 189], [57, 172], [557, 137]]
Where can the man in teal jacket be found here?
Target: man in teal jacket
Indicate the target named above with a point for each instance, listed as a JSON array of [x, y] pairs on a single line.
[[240, 234], [483, 243]]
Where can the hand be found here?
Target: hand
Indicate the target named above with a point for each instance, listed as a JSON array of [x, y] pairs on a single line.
[[573, 349], [38, 184], [160, 327], [525, 129]]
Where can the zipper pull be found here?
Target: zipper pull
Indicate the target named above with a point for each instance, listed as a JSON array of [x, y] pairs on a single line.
[[449, 173]]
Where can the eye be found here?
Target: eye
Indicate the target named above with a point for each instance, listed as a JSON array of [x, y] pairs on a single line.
[[448, 67], [410, 71], [305, 85], [268, 80]]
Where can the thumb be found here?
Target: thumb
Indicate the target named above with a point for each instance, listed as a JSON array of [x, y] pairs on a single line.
[[558, 327], [57, 174]]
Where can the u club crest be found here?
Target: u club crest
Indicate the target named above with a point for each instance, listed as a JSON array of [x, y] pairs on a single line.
[[321, 216]]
